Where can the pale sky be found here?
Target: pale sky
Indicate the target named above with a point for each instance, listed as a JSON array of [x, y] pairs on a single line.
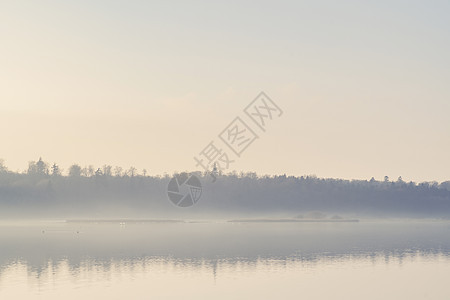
[[363, 84]]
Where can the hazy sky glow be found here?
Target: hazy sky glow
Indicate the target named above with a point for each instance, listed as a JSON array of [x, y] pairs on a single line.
[[364, 86]]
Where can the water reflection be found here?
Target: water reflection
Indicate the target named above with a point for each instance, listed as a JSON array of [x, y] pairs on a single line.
[[86, 253]]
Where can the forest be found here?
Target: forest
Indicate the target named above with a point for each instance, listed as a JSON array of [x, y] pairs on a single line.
[[44, 190]]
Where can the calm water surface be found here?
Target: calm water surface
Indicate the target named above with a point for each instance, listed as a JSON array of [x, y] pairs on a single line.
[[213, 260]]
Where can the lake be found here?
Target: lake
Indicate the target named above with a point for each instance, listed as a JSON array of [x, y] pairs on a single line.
[[223, 260]]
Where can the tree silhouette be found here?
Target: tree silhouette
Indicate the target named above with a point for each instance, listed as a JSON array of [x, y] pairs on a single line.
[[39, 168], [237, 192], [75, 171], [55, 170], [3, 168]]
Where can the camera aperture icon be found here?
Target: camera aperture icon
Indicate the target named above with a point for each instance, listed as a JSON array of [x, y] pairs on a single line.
[[184, 190]]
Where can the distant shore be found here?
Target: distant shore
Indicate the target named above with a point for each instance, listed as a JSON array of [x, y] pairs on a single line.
[[293, 220], [123, 221]]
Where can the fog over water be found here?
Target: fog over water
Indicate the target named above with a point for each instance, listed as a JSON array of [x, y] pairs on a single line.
[[56, 257], [288, 149]]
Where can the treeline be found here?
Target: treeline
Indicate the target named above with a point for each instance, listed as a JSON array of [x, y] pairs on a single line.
[[101, 192], [43, 168]]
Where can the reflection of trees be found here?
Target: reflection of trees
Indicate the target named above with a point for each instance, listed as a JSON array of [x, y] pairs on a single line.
[[221, 247]]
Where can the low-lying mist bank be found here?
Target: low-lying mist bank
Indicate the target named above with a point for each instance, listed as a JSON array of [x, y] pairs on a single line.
[[230, 196], [45, 245]]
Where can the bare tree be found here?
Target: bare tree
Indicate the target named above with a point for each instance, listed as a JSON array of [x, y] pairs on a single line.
[[132, 171], [117, 171], [91, 170], [98, 172], [107, 170], [75, 171], [3, 168]]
